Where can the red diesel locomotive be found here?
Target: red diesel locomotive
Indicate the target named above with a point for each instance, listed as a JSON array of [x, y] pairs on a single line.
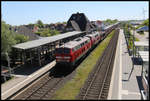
[[69, 53]]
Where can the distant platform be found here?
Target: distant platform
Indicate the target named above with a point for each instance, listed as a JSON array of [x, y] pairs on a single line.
[[125, 84]]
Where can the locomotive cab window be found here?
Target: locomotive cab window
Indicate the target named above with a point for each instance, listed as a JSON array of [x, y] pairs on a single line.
[[63, 50]]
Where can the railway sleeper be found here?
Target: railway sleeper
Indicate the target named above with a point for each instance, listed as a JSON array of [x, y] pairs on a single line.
[[103, 95], [38, 94], [105, 92], [92, 95], [49, 94], [97, 83], [94, 87], [94, 90], [107, 83], [106, 88], [42, 90], [91, 98], [33, 97]]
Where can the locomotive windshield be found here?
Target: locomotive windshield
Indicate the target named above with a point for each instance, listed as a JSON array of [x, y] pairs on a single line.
[[62, 50]]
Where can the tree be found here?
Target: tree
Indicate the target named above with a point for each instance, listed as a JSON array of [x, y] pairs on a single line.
[[145, 23], [114, 21], [20, 38], [40, 24], [54, 32], [7, 38], [64, 22], [47, 32], [110, 21]]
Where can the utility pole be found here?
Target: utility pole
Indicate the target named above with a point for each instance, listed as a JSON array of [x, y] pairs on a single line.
[[144, 14]]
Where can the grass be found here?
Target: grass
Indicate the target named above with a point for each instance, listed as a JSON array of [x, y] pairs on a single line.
[[71, 89]]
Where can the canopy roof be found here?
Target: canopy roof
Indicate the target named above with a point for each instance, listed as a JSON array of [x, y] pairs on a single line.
[[39, 42]]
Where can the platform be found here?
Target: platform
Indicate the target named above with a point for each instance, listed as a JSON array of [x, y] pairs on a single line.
[[19, 81], [126, 82]]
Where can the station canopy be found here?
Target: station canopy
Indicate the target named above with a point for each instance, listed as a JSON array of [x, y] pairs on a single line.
[[144, 55], [143, 43], [46, 40]]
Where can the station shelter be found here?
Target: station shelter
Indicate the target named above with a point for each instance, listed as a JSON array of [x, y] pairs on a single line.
[[144, 56], [142, 53], [141, 46]]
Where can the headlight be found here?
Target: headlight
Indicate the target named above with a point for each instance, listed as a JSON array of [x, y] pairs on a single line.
[[67, 57], [58, 57]]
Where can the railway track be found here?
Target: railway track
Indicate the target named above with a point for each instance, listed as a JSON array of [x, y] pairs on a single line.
[[45, 87], [97, 85]]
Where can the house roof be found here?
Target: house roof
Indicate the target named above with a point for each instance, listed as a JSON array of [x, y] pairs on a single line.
[[27, 32]]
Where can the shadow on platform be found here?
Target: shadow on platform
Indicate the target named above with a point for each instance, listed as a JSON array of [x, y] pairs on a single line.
[[139, 80], [28, 69], [125, 80], [136, 61]]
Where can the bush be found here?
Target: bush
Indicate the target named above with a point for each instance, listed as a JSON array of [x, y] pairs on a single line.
[[7, 38], [20, 38], [47, 32]]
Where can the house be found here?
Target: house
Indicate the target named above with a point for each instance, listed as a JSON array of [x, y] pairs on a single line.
[[25, 31]]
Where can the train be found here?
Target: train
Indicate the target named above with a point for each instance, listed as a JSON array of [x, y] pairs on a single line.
[[71, 52]]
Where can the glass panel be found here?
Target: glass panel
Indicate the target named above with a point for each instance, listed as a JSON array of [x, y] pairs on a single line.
[[145, 69], [63, 50]]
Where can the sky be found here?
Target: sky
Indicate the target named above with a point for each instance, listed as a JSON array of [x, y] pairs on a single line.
[[25, 12]]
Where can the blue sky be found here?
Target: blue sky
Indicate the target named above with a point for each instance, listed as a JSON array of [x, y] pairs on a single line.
[[25, 12]]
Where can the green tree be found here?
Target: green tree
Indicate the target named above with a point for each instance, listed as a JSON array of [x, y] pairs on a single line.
[[64, 22], [110, 21], [47, 32], [145, 23], [21, 38], [54, 32], [7, 38], [40, 24], [114, 21]]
